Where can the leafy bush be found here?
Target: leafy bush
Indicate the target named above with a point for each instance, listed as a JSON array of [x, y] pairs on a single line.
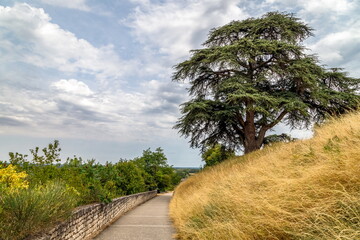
[[27, 211], [131, 177], [216, 154], [93, 181]]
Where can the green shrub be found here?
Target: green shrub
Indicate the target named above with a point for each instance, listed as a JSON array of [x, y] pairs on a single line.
[[93, 181], [216, 154], [27, 211], [131, 177]]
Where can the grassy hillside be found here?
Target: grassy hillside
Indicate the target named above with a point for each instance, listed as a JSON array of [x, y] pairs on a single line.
[[307, 189]]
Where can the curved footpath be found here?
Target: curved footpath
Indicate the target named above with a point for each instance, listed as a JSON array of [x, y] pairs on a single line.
[[149, 221]]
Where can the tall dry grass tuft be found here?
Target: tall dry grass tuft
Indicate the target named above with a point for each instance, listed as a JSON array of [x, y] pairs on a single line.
[[307, 189], [28, 211]]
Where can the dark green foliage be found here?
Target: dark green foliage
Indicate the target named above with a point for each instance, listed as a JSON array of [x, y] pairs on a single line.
[[216, 154], [251, 75]]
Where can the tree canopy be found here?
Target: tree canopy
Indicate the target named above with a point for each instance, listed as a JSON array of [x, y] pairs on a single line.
[[158, 173], [253, 74], [216, 154]]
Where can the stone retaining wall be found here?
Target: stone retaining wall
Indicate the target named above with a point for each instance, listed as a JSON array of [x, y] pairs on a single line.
[[87, 221]]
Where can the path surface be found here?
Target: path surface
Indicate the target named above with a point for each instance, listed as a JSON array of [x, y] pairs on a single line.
[[149, 221]]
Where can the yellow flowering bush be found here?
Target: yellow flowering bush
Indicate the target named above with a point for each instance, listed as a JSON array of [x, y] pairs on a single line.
[[11, 180]]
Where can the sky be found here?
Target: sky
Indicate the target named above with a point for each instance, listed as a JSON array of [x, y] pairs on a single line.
[[96, 75]]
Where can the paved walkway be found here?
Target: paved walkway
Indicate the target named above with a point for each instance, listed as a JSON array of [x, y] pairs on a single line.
[[149, 221]]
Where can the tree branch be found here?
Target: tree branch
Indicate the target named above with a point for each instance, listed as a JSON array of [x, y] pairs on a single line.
[[238, 130], [277, 120], [265, 62], [240, 119], [264, 128], [226, 72]]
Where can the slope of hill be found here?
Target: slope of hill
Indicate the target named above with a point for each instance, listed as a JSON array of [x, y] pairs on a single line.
[[307, 189]]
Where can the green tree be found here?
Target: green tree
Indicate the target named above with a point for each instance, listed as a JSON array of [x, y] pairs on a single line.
[[216, 154], [251, 75], [51, 154], [158, 174], [151, 161], [131, 177]]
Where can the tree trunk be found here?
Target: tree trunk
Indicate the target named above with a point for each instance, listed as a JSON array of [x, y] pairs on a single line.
[[250, 143]]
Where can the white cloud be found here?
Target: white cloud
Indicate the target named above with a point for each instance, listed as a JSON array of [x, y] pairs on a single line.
[[174, 27], [72, 86], [68, 107], [25, 107], [336, 26], [27, 35], [142, 2], [341, 49], [71, 109], [75, 4], [324, 6], [318, 6]]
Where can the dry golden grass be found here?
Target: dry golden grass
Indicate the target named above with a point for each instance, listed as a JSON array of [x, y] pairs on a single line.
[[307, 189]]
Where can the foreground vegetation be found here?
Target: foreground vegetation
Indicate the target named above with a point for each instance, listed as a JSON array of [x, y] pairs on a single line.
[[306, 189], [33, 209], [37, 193]]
